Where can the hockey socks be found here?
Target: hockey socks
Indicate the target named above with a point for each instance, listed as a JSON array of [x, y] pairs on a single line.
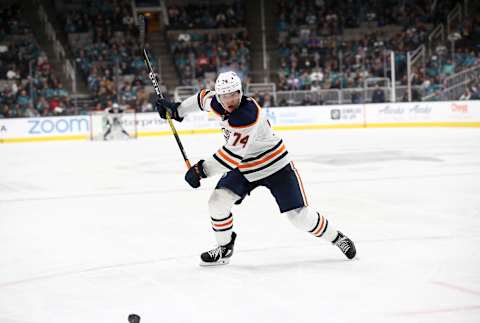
[[336, 237], [306, 219], [323, 229], [220, 205], [223, 229]]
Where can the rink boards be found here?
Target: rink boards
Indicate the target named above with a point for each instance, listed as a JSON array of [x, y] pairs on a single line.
[[415, 114]]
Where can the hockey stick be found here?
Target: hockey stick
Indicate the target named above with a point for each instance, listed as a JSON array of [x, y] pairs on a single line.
[[153, 77]]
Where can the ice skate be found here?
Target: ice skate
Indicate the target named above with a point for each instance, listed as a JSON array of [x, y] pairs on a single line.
[[220, 255], [345, 245]]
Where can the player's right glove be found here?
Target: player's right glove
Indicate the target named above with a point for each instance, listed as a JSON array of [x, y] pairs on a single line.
[[195, 174], [162, 106]]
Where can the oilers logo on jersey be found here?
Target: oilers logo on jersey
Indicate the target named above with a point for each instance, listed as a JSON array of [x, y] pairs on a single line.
[[226, 134]]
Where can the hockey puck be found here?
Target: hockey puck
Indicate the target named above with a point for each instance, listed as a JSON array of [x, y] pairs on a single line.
[[133, 318]]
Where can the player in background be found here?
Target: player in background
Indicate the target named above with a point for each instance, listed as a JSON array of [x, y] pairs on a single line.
[[253, 155], [114, 121]]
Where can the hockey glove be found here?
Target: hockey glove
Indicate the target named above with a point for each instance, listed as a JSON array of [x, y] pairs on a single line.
[[163, 106], [195, 174]]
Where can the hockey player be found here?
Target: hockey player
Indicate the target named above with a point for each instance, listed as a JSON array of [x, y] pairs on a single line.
[[253, 155], [114, 121]]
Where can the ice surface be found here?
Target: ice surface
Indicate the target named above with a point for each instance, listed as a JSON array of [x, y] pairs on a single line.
[[94, 231]]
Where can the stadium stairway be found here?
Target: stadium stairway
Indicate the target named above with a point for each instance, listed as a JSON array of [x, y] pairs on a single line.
[[46, 44], [159, 47], [254, 27]]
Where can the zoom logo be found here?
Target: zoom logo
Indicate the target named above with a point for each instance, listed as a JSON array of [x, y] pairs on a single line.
[[42, 126]]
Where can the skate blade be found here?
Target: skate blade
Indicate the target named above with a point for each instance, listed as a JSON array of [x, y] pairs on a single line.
[[217, 263]]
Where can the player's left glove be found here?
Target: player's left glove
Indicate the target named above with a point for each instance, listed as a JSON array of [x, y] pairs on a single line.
[[195, 174], [163, 106]]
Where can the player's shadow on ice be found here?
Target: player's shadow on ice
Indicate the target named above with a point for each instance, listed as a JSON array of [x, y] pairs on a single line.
[[303, 265]]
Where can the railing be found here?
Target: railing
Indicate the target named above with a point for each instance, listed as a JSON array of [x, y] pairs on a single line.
[[337, 96], [174, 33], [436, 37], [454, 18], [57, 47], [454, 92], [307, 97], [183, 92], [412, 59], [51, 34], [322, 96], [265, 58], [258, 88], [455, 85], [468, 74], [164, 13], [466, 7], [68, 69]]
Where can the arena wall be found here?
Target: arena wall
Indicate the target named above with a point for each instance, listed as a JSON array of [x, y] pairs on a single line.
[[415, 114]]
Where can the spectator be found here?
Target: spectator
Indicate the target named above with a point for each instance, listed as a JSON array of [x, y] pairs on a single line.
[[357, 97], [268, 101], [5, 111], [416, 95], [30, 112], [42, 106], [466, 95], [475, 89], [378, 95], [23, 100]]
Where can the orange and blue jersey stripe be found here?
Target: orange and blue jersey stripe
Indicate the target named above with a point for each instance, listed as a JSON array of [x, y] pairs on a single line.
[[250, 165]]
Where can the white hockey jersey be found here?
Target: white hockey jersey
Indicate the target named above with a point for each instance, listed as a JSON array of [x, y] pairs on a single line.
[[251, 146]]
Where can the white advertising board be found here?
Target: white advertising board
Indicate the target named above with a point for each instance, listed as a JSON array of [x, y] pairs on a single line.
[[43, 129], [336, 115], [422, 113], [415, 114]]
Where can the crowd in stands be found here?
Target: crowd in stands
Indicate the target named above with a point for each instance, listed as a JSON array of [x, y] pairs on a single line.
[[315, 51], [472, 91], [310, 58], [207, 16], [28, 86], [109, 55], [198, 55], [210, 38]]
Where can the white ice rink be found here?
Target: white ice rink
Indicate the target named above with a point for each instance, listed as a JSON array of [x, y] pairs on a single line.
[[94, 231]]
